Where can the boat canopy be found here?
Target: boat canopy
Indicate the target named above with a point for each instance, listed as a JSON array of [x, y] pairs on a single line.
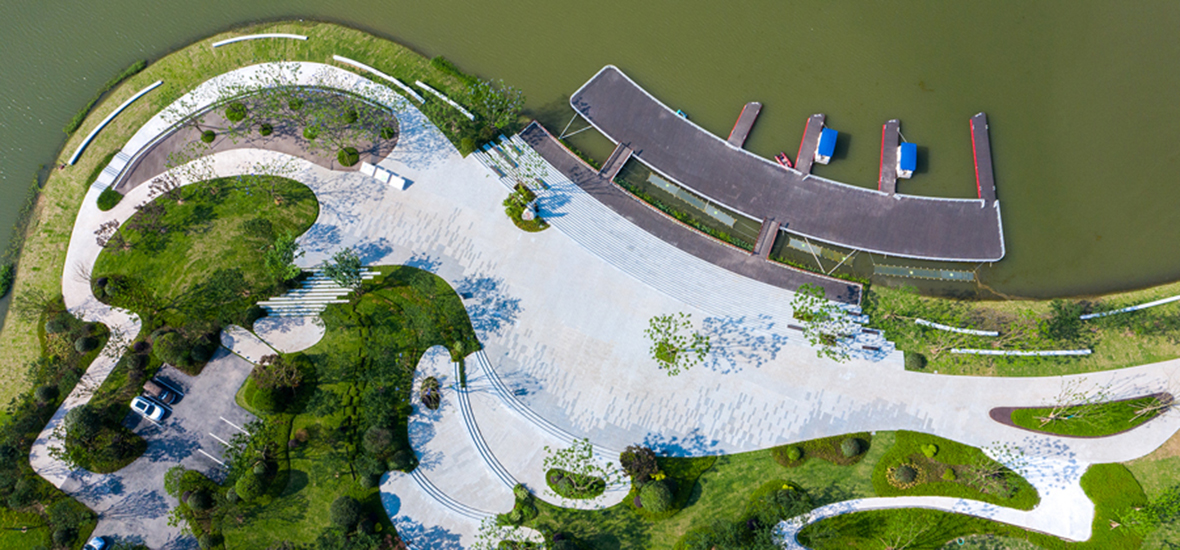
[[908, 157], [827, 142]]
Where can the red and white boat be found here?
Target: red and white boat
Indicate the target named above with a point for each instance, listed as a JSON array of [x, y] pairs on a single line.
[[784, 160]]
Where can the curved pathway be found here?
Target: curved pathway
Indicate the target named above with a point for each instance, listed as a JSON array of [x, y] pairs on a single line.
[[562, 330]]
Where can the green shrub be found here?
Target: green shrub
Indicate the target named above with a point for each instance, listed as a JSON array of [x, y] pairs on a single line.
[[268, 400], [211, 540], [949, 474], [266, 129], [466, 146], [85, 344], [200, 501], [639, 463], [656, 496], [171, 348], [905, 474], [202, 352], [851, 447], [794, 453], [249, 487], [63, 536], [403, 460], [208, 136], [46, 394], [295, 104], [914, 361], [252, 315], [231, 496], [348, 156], [236, 112], [345, 513], [377, 441], [259, 228], [388, 133], [57, 325], [260, 469], [108, 199], [7, 276], [23, 493], [311, 132], [351, 116], [929, 450]]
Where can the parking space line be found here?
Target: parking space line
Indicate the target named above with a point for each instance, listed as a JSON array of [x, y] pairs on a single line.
[[223, 442], [239, 428], [202, 451]]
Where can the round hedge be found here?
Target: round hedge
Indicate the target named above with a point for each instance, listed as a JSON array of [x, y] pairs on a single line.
[[388, 132], [85, 344], [850, 447], [794, 453], [201, 352], [63, 536], [348, 156], [351, 116], [914, 361], [208, 136], [248, 487], [200, 501], [236, 112], [266, 129], [57, 325], [311, 132], [295, 104], [46, 393], [260, 469], [402, 460], [171, 348], [905, 474], [656, 496], [231, 496], [345, 512], [108, 199]]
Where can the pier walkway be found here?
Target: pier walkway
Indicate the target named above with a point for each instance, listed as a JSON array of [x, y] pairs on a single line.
[[673, 232], [805, 157], [887, 175], [981, 147], [745, 123], [966, 230], [617, 159]]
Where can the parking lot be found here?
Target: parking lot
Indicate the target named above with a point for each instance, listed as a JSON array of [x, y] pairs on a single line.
[[131, 503]]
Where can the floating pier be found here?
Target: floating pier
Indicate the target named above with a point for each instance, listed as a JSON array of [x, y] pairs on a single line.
[[745, 123], [766, 237], [887, 174], [806, 155], [614, 163], [985, 180]]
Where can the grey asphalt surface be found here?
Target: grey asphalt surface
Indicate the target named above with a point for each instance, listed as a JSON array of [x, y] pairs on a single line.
[[131, 503]]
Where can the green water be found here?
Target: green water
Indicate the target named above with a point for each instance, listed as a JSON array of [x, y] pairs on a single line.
[[1080, 94]]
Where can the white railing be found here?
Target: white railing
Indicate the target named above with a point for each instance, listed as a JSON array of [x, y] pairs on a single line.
[[440, 95], [108, 119], [367, 68], [256, 37]]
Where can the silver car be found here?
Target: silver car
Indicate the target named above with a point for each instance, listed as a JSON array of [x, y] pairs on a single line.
[[150, 410]]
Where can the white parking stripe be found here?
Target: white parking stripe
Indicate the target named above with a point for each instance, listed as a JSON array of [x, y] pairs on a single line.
[[223, 442], [202, 451], [239, 428]]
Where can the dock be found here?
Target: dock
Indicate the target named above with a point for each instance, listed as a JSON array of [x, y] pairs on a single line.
[[615, 162], [887, 175], [806, 155], [745, 123], [807, 206], [766, 237], [981, 147]]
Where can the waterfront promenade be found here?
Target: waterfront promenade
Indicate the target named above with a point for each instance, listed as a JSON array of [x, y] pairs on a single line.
[[820, 209]]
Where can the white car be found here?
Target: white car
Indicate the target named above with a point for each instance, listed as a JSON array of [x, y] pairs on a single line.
[[150, 410], [96, 543]]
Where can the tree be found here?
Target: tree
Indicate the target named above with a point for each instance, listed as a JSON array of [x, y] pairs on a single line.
[[345, 269], [499, 103], [273, 372], [639, 463], [827, 325], [578, 460], [345, 512], [656, 496], [1077, 403], [674, 346], [280, 258]]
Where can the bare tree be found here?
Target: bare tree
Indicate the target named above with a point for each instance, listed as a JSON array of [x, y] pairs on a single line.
[[1077, 403], [108, 236]]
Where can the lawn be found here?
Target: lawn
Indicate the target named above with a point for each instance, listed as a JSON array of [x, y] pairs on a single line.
[[975, 475], [357, 378], [1110, 486], [1116, 341], [721, 492], [1099, 419], [47, 234]]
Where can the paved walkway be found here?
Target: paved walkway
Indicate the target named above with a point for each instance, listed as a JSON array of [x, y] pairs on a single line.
[[561, 314]]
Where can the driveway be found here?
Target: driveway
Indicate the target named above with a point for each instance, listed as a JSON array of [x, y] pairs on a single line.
[[131, 503]]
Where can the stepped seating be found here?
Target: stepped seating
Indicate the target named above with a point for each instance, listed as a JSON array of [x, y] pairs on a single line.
[[314, 295]]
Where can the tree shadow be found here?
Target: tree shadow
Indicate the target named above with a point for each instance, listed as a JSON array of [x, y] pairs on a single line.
[[417, 535], [490, 308], [695, 443], [741, 341]]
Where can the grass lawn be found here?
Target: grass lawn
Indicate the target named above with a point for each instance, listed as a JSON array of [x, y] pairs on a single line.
[[1156, 472], [721, 492], [1013, 492], [360, 367], [1110, 486], [167, 261], [1087, 420], [1117, 341], [51, 222]]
